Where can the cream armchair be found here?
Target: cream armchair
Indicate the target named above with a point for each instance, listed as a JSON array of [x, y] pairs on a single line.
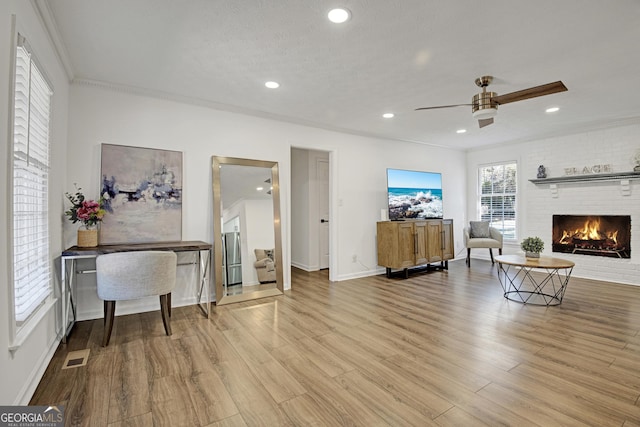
[[265, 265], [480, 235]]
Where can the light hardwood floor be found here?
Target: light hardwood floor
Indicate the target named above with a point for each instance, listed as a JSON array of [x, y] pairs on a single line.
[[441, 348]]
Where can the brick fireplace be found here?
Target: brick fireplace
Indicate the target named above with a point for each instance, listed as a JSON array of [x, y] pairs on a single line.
[[541, 201], [597, 235]]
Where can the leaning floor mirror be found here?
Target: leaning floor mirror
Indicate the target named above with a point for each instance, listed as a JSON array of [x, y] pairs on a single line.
[[246, 229]]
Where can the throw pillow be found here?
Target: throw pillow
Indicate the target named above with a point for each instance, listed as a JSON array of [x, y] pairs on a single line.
[[479, 229], [269, 253]]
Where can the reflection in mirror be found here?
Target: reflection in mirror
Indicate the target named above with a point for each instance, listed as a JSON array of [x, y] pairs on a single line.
[[246, 221]]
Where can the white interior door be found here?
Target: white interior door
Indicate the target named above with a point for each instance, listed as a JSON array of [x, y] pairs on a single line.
[[322, 168]]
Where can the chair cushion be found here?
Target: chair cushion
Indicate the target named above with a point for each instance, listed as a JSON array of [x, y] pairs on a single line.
[[483, 243], [479, 229]]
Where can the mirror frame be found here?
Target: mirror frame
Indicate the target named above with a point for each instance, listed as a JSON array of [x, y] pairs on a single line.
[[221, 298]]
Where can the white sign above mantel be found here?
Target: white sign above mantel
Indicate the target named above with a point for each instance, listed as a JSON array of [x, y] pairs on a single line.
[[588, 170], [623, 177]]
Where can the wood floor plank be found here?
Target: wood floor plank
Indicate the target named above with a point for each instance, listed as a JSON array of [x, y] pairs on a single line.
[[328, 394], [234, 421], [262, 328], [255, 404], [144, 420], [456, 417], [329, 362], [160, 355], [278, 382], [393, 411], [305, 411], [535, 411], [603, 403], [129, 394], [607, 381], [439, 348], [88, 403], [210, 398], [171, 403]]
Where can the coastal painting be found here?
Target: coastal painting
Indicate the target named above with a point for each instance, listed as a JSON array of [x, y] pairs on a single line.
[[414, 194], [142, 194]]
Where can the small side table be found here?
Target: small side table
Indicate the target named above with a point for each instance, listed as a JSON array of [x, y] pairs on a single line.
[[517, 275]]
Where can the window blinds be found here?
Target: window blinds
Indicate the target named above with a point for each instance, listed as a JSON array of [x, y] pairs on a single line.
[[498, 191], [31, 260]]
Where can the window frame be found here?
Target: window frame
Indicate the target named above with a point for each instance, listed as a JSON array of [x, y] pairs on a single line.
[[20, 329], [508, 236]]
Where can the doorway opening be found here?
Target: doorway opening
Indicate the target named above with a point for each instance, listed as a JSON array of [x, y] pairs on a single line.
[[311, 209]]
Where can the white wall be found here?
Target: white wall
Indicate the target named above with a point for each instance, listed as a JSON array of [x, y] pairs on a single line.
[[537, 204], [300, 220], [99, 115], [21, 370]]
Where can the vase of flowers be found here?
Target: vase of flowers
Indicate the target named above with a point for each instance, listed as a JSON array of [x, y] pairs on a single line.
[[532, 246], [87, 212]]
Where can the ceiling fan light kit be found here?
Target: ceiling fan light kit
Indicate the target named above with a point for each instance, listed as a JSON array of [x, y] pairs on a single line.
[[482, 107]]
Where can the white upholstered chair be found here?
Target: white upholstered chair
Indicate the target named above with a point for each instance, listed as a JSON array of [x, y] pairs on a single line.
[[480, 235], [265, 265], [132, 275]]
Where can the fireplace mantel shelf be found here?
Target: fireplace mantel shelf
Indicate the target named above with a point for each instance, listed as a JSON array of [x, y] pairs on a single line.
[[586, 178]]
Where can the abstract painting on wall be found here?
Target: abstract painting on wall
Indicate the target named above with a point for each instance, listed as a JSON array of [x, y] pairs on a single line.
[[142, 191]]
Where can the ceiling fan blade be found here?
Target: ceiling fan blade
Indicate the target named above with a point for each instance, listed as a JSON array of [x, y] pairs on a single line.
[[532, 92], [443, 106], [485, 122]]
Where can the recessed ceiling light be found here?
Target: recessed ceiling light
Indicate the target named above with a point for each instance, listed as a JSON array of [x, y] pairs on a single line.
[[388, 115], [552, 109], [461, 131], [259, 188], [339, 15], [272, 85]]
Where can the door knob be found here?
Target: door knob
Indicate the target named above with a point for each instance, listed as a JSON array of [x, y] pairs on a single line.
[[324, 220]]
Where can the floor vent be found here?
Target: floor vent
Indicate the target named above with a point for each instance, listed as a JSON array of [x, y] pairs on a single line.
[[76, 359]]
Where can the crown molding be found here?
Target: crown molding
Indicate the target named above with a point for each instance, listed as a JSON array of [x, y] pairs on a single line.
[[43, 10]]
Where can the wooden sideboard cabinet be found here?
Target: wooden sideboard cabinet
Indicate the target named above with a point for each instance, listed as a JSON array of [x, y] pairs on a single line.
[[413, 243]]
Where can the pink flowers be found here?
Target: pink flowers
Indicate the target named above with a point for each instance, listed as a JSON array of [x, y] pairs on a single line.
[[89, 212], [89, 208]]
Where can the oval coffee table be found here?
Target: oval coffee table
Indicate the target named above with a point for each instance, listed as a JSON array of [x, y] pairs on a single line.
[[537, 281]]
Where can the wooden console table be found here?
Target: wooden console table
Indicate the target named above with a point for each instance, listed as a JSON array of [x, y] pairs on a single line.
[[520, 285], [414, 243], [69, 271]]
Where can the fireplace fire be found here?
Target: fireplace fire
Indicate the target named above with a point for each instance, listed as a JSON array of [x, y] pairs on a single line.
[[601, 235]]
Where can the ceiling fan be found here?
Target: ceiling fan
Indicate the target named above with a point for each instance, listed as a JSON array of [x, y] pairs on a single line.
[[484, 105]]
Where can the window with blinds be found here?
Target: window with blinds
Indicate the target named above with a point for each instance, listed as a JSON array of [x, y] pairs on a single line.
[[31, 260], [497, 192]]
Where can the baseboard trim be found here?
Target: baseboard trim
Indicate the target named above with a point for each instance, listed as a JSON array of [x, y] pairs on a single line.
[[304, 267], [361, 274]]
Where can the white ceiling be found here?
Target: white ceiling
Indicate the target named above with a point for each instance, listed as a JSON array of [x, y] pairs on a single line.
[[392, 56]]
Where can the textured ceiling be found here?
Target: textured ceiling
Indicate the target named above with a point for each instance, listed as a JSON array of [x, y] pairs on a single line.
[[392, 56]]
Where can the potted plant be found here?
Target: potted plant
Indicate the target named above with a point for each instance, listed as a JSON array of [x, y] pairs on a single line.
[[89, 213], [532, 246]]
